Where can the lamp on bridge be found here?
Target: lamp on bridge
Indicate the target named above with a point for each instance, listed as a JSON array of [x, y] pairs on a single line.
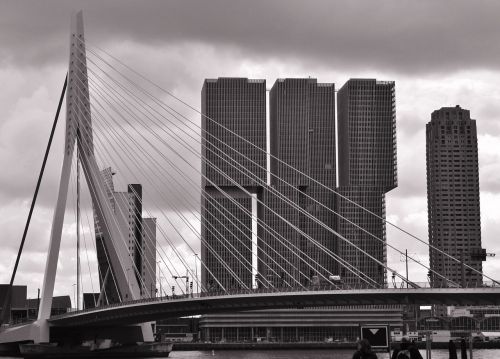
[[187, 281]]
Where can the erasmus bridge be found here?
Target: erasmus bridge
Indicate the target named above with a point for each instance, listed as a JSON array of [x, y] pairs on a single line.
[[116, 117]]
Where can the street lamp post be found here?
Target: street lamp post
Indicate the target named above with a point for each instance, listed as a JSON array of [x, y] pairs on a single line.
[[159, 276], [196, 272], [74, 294], [128, 283], [406, 258]]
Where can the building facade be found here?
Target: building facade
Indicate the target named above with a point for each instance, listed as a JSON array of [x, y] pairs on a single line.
[[367, 171], [234, 170], [302, 147], [140, 234], [453, 197], [293, 248], [332, 324]]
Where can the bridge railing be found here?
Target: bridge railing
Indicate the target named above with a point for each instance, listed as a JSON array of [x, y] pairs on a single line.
[[240, 291]]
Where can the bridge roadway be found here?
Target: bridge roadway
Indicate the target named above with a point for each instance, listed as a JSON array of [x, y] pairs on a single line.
[[167, 307]]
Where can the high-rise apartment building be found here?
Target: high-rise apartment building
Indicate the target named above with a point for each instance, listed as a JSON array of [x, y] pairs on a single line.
[[293, 248], [302, 134], [367, 170], [453, 196], [234, 110], [302, 143], [140, 234]]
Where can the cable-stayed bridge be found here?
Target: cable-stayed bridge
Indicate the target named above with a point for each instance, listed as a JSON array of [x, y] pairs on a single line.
[[116, 117], [154, 308]]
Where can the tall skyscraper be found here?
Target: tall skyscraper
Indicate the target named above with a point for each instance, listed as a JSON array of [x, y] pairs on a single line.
[[291, 247], [367, 171], [302, 136], [140, 234], [453, 196], [232, 107]]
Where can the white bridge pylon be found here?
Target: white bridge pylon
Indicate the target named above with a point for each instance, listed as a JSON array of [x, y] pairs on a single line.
[[79, 131]]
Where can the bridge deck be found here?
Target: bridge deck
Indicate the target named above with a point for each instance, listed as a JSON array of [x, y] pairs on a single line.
[[162, 308]]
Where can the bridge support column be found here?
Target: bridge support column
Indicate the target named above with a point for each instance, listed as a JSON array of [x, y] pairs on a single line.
[[55, 242], [42, 333]]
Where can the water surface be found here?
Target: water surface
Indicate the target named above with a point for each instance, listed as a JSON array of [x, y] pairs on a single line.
[[313, 354]]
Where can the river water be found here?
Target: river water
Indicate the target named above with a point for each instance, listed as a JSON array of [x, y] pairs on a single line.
[[312, 354], [308, 354]]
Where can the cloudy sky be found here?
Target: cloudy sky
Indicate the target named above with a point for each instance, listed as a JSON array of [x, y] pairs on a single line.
[[439, 54]]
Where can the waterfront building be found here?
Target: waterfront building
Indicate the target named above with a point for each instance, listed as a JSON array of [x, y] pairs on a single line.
[[367, 171], [463, 321], [22, 308], [453, 197], [140, 234], [340, 324], [18, 301], [233, 109], [60, 304]]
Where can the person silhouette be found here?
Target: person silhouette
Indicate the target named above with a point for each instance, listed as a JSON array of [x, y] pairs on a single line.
[[364, 350]]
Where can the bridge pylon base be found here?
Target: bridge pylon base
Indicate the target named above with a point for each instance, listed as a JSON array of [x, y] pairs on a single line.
[[41, 331], [36, 332]]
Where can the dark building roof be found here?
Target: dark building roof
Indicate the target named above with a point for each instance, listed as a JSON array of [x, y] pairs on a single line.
[[18, 295], [58, 302]]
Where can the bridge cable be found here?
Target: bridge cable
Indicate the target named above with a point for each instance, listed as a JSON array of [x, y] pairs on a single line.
[[198, 188], [120, 298], [137, 270], [287, 199], [87, 256], [385, 243], [83, 233], [191, 129], [8, 295], [133, 139], [120, 209], [310, 178], [80, 112], [186, 178], [84, 143], [187, 267]]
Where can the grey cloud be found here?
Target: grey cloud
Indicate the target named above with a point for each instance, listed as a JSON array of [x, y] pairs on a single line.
[[488, 116], [179, 43], [404, 36], [490, 178]]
